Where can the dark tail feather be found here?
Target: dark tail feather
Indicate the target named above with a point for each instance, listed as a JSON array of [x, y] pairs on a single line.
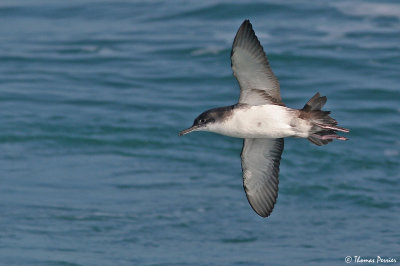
[[315, 103], [324, 127]]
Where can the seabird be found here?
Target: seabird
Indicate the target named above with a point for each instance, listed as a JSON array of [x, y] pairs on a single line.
[[263, 120]]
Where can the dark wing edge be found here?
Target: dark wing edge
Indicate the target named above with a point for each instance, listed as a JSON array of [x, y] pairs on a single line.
[[260, 166], [251, 68]]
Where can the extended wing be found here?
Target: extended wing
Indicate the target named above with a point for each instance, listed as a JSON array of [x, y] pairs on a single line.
[[258, 84], [260, 165]]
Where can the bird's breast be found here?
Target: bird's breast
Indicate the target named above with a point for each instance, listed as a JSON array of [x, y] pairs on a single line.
[[264, 121]]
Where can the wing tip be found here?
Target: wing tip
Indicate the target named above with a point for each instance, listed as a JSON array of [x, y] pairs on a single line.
[[265, 212], [246, 29], [246, 22], [263, 206]]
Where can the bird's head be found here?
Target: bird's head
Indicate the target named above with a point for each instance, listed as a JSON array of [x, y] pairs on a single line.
[[208, 120], [201, 123]]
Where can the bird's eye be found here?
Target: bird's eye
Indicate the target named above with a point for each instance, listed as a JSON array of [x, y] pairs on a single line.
[[202, 121]]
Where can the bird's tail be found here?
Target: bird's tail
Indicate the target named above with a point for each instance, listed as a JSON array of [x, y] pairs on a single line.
[[323, 127]]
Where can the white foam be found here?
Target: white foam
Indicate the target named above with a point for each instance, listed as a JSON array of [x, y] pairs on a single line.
[[390, 152], [368, 9], [211, 50]]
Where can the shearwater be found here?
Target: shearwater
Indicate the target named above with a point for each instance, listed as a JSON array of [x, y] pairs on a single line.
[[262, 120]]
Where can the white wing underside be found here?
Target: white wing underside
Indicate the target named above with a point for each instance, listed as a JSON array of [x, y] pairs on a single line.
[[260, 166]]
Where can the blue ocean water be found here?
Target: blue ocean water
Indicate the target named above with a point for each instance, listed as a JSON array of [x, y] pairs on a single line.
[[93, 94]]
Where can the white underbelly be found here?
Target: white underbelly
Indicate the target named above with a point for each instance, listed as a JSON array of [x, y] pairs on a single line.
[[263, 121]]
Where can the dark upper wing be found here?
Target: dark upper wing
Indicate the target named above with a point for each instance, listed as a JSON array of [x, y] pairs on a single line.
[[258, 84], [260, 166]]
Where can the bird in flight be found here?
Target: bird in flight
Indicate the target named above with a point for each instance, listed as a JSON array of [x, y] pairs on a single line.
[[263, 120]]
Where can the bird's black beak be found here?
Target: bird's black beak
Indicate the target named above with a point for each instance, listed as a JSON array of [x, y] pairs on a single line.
[[190, 129]]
